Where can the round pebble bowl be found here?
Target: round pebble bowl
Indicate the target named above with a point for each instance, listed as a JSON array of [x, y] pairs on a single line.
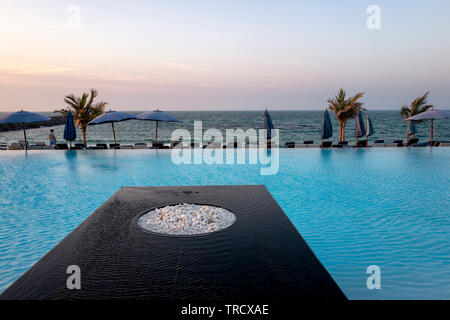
[[186, 219]]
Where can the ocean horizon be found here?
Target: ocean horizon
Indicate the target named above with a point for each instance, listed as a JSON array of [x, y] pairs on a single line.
[[294, 125]]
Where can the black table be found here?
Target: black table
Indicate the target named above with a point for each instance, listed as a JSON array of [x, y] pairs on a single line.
[[260, 257]]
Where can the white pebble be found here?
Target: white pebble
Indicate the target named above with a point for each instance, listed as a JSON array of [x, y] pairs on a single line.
[[186, 219]]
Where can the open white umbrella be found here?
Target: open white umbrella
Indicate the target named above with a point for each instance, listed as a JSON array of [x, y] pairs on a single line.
[[430, 115], [157, 116], [23, 117], [111, 117]]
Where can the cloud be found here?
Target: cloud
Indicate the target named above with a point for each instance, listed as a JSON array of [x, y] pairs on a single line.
[[34, 69], [41, 70]]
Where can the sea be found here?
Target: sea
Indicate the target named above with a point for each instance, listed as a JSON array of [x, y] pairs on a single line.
[[296, 126]]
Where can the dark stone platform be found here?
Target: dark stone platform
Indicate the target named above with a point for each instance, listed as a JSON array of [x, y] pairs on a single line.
[[260, 257]]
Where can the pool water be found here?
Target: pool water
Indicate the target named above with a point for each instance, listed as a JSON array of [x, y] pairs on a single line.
[[354, 207]]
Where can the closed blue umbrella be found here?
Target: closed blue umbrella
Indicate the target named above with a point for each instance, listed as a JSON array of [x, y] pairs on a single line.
[[23, 117], [370, 131], [327, 128], [411, 128], [268, 125], [111, 117], [70, 133], [360, 130], [157, 116]]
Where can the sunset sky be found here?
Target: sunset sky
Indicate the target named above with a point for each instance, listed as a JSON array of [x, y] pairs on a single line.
[[222, 55]]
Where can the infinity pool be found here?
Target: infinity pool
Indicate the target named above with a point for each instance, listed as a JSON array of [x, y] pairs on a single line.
[[354, 207]]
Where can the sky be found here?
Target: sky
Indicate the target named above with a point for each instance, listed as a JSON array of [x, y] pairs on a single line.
[[222, 55]]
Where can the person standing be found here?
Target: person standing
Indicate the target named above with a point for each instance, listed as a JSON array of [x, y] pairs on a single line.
[[52, 138]]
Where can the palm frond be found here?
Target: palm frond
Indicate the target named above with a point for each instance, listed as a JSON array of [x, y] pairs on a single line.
[[61, 111], [418, 105], [84, 109], [405, 111]]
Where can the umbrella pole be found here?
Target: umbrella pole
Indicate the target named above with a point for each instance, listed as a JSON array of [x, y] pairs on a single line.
[[156, 136], [114, 135], [431, 142], [25, 136]]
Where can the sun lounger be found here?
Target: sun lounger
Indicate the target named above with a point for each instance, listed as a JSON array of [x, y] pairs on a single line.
[[214, 145], [16, 146], [398, 142], [25, 145], [378, 141], [308, 142], [301, 146], [444, 144], [290, 144], [40, 143], [344, 143], [175, 143], [313, 146], [379, 145], [95, 148], [160, 145], [234, 145], [427, 144], [412, 142], [140, 145], [80, 145], [104, 145], [391, 145], [61, 146], [327, 144], [3, 146], [361, 144], [34, 147], [422, 144], [337, 146], [126, 146], [47, 147]]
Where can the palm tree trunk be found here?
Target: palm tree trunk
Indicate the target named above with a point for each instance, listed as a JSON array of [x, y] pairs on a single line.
[[340, 131], [344, 123], [83, 130]]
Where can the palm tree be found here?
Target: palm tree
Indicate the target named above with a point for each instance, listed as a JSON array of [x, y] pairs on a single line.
[[345, 109], [83, 109], [418, 105]]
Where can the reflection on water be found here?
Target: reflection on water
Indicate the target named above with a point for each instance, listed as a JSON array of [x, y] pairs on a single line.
[[354, 207]]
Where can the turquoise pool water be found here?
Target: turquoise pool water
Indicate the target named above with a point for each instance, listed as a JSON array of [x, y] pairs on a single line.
[[387, 207]]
